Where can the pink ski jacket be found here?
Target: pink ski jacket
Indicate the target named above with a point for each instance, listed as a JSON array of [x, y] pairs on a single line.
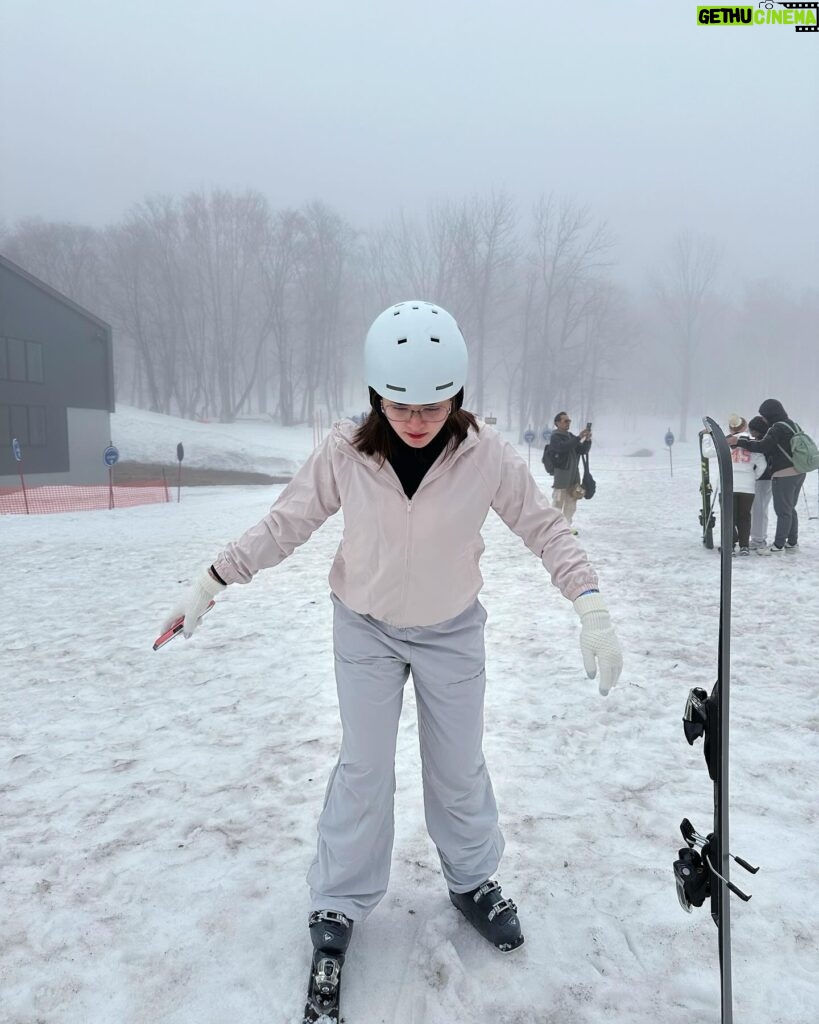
[[411, 562]]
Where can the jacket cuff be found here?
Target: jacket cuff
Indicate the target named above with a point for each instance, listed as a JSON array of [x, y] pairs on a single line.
[[589, 603], [226, 572]]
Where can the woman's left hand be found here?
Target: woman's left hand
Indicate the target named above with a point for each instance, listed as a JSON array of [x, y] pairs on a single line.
[[598, 641]]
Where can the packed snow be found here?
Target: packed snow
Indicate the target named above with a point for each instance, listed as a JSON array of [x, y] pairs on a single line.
[[158, 810]]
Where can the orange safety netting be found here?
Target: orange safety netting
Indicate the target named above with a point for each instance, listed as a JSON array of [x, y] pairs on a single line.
[[70, 498]]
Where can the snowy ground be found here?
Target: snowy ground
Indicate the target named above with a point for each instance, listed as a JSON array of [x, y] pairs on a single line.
[[157, 810]]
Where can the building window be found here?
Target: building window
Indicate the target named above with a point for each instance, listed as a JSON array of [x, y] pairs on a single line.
[[17, 359], [34, 362], [21, 360], [25, 422], [19, 424], [5, 426], [36, 426]]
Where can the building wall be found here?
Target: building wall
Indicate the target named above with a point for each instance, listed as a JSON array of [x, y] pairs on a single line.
[[55, 377], [86, 429]]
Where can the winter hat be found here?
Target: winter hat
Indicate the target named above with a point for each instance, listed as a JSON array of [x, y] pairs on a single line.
[[736, 422], [772, 410]]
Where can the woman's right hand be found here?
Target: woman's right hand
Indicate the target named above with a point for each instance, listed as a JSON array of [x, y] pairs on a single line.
[[193, 605]]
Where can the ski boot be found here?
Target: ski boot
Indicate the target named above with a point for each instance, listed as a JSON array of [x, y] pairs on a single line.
[[493, 916], [330, 932]]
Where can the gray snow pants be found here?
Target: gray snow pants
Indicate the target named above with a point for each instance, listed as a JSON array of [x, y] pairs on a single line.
[[785, 496], [356, 826], [759, 514]]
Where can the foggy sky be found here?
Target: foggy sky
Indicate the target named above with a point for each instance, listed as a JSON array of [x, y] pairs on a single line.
[[658, 123]]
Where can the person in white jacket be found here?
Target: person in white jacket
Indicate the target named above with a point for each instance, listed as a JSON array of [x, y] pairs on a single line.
[[746, 470], [416, 481]]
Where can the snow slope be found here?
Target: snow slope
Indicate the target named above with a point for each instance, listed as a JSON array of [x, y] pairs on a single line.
[[253, 445], [157, 810]]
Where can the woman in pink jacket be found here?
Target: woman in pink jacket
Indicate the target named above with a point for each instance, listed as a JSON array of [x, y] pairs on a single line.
[[416, 481]]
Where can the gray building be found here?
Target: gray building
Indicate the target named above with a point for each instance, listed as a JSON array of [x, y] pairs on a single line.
[[56, 384]]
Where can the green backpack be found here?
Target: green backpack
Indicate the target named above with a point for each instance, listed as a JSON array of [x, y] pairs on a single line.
[[803, 454]]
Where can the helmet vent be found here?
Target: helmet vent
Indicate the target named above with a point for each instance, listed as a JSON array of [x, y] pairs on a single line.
[[401, 341], [443, 387], [393, 387], [436, 340]]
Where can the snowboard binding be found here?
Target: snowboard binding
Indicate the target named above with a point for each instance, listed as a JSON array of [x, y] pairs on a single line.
[[694, 870]]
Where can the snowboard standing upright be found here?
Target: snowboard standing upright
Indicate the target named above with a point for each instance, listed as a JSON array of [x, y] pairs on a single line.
[[702, 870]]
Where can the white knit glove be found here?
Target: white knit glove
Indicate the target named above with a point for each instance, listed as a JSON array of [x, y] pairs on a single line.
[[194, 603], [598, 641]]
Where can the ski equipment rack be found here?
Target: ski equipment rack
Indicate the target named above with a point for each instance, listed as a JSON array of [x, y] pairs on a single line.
[[709, 500]]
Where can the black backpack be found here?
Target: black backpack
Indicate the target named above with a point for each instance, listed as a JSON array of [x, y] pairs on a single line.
[[552, 460]]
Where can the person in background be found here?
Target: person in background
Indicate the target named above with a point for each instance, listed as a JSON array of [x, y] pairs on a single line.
[[566, 449], [786, 480], [416, 481], [758, 428], [744, 480]]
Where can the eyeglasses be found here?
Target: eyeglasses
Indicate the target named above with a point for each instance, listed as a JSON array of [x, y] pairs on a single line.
[[403, 414]]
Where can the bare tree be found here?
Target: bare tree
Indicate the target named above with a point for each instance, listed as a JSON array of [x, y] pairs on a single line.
[[684, 293], [226, 237], [66, 256], [279, 269], [569, 251], [323, 264], [422, 256], [609, 331], [129, 261], [486, 248]]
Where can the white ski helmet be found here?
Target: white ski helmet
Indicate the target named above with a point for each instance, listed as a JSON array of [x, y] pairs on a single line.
[[415, 354]]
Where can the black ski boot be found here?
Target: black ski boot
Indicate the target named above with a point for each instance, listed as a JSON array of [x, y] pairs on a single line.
[[330, 932], [494, 917]]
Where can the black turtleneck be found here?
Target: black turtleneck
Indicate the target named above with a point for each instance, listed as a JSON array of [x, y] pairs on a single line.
[[411, 464]]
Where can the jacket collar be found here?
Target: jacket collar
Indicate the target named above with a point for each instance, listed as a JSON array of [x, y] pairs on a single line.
[[344, 430]]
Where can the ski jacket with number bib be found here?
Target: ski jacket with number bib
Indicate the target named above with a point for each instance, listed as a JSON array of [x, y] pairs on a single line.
[[748, 466], [411, 562]]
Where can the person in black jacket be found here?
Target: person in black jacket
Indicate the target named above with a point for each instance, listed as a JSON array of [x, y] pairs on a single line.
[[786, 479], [566, 449]]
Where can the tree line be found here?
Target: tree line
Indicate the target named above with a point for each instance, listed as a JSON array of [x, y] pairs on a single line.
[[224, 306]]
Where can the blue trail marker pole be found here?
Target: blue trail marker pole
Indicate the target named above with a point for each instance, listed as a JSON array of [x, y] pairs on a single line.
[[18, 458], [110, 457]]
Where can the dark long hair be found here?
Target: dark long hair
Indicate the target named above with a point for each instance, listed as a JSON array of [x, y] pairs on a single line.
[[375, 435]]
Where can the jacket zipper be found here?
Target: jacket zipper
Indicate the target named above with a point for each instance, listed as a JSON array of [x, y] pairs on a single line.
[[442, 468], [406, 559]]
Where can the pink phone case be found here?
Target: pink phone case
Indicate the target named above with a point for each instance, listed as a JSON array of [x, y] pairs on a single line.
[[176, 629]]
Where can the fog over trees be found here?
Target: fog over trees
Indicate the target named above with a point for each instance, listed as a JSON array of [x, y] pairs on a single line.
[[224, 305], [617, 203]]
